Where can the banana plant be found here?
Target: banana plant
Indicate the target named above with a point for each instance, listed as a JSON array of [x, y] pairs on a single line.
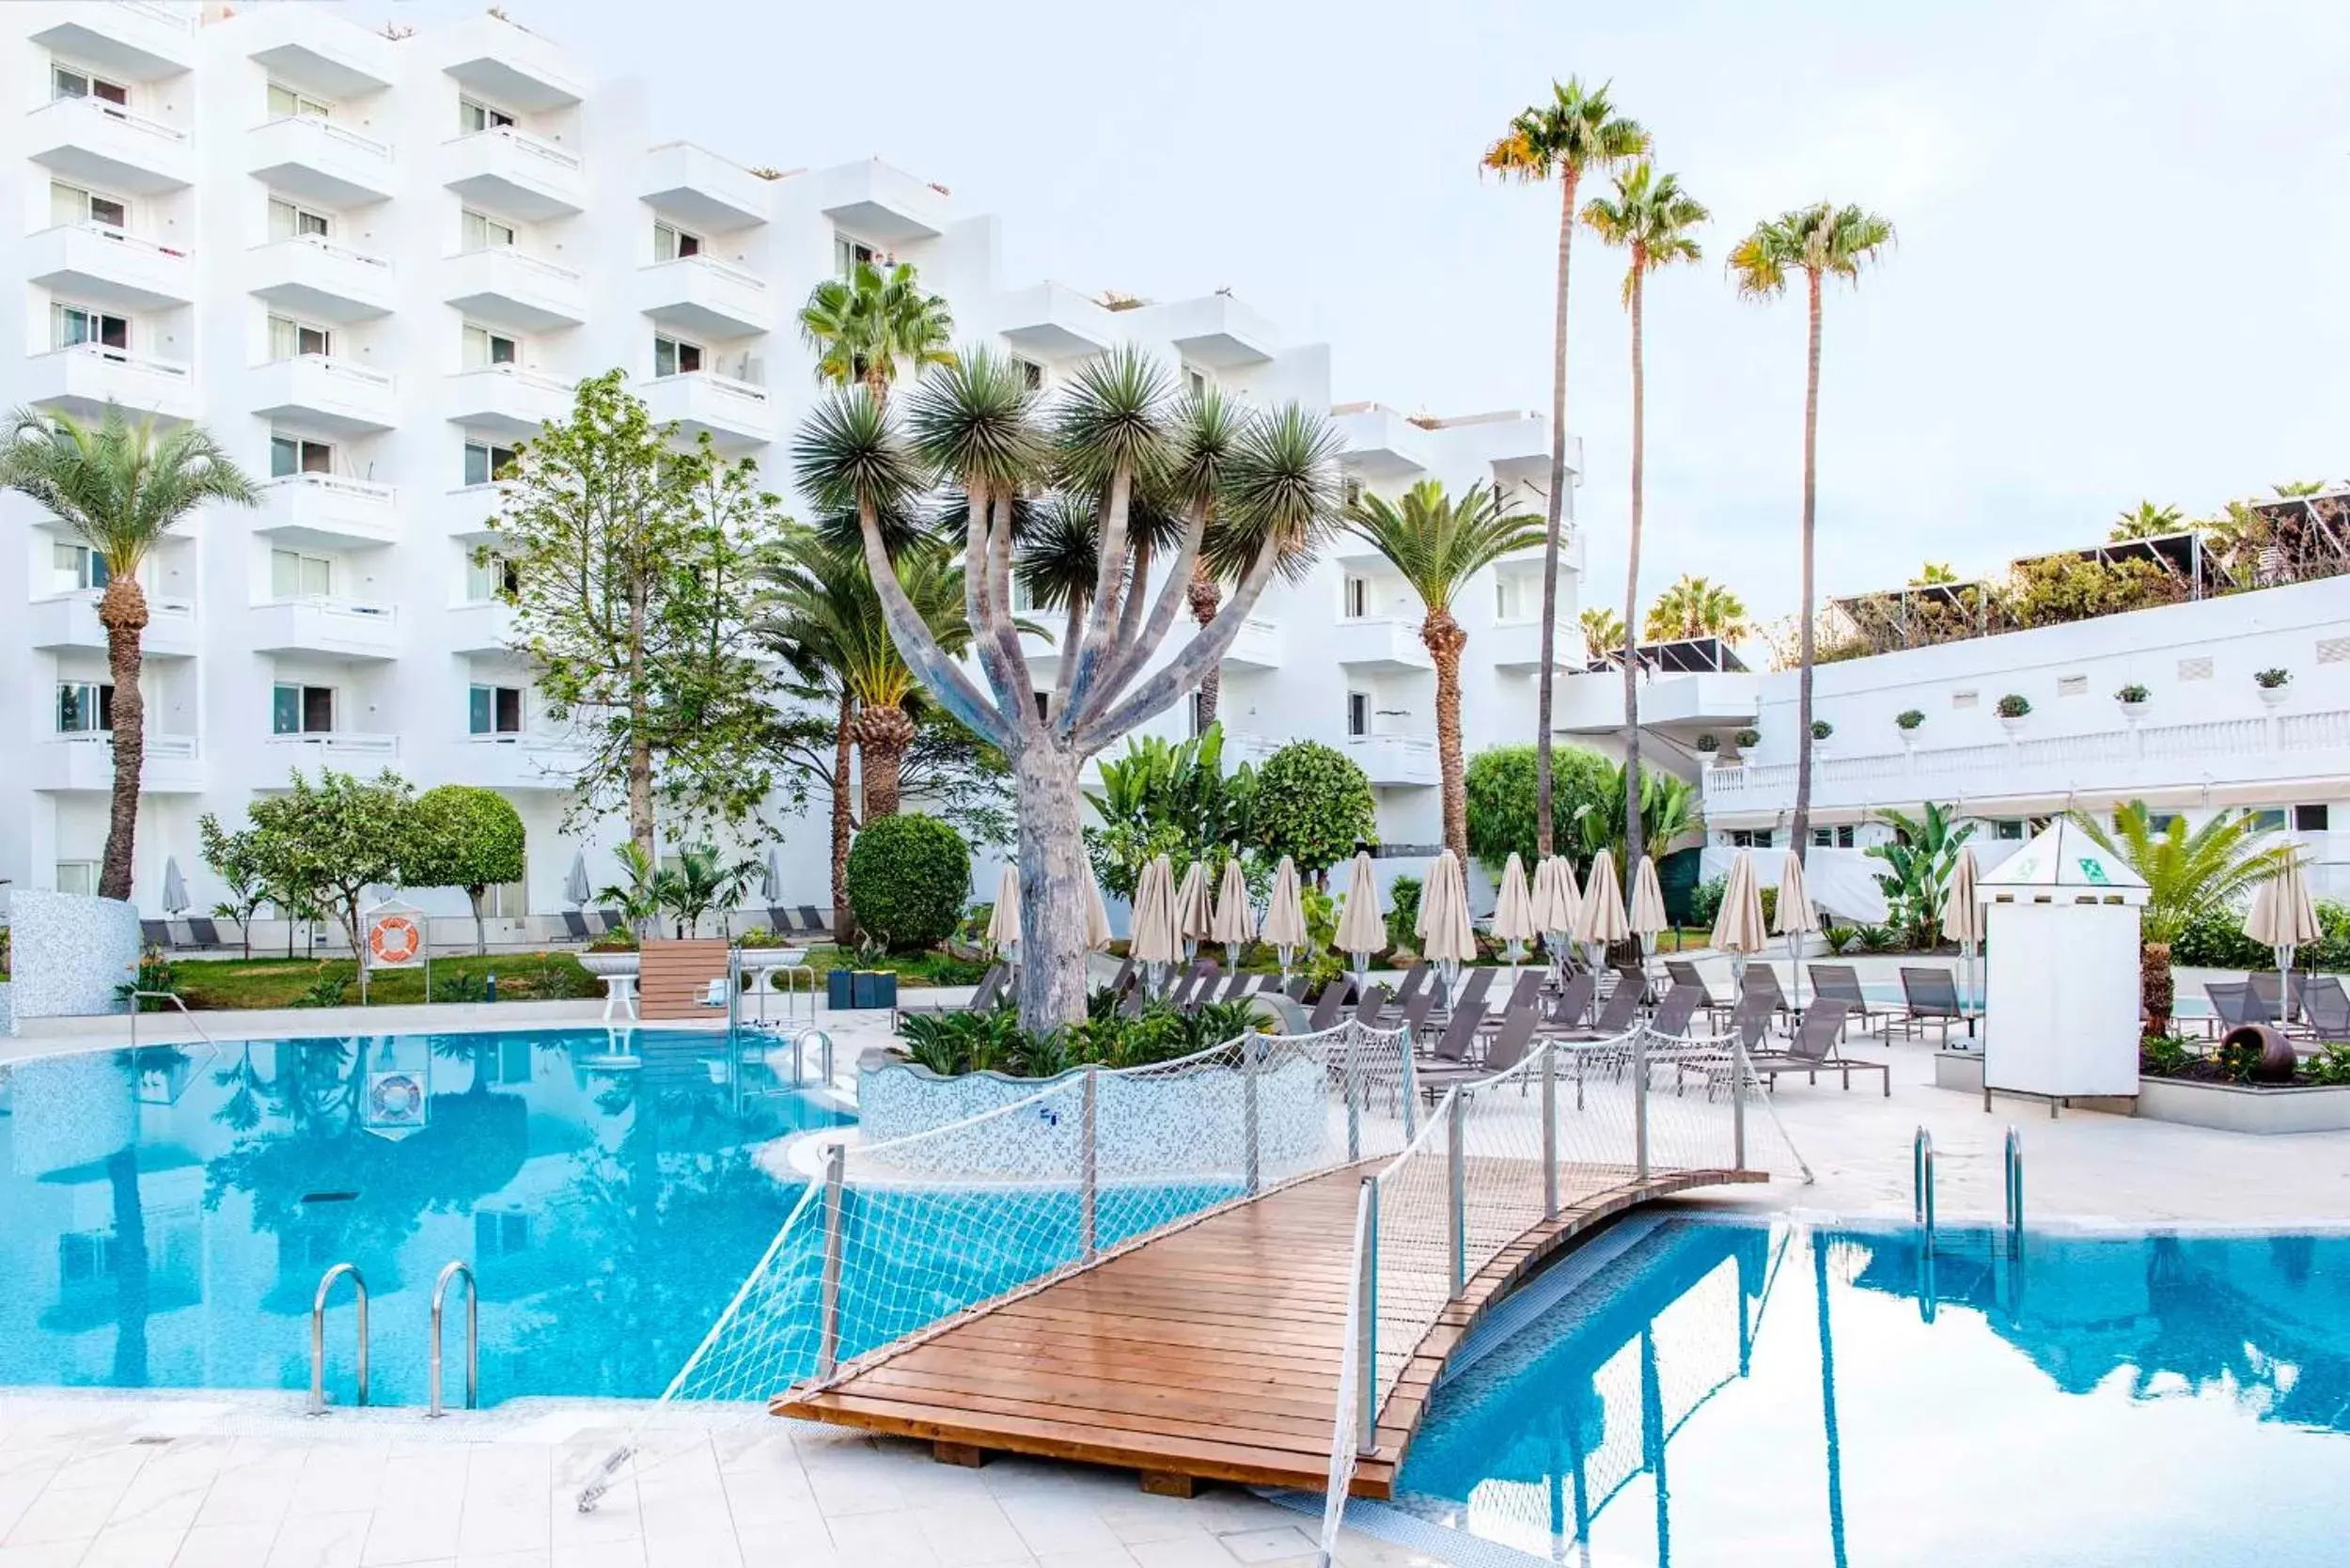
[[1919, 863]]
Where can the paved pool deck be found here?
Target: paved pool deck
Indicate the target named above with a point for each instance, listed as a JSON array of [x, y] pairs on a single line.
[[107, 1480]]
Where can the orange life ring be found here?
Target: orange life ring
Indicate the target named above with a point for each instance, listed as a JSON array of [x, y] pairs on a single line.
[[395, 939]]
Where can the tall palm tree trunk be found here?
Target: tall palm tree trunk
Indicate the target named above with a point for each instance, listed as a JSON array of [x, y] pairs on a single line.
[[1445, 640], [1632, 845], [1544, 679], [1804, 641], [122, 611], [1207, 597], [843, 737], [884, 731]]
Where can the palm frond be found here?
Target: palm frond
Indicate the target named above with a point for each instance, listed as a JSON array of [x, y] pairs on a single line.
[[1437, 543]]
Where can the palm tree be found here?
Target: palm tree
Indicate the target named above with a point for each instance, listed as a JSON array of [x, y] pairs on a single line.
[[1437, 545], [2146, 521], [1576, 132], [1822, 242], [1603, 633], [1651, 217], [862, 327], [2293, 490], [1695, 608], [699, 883], [122, 488], [2188, 875]]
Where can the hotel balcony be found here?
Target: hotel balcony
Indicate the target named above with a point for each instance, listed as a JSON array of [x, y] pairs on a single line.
[[1216, 331], [500, 285], [505, 400], [887, 206], [1517, 645], [352, 750], [1381, 443], [93, 264], [132, 40], [482, 626], [1051, 321], [702, 191], [312, 159], [1391, 762], [338, 628], [168, 764], [101, 145], [311, 50], [735, 412], [512, 172], [705, 298], [1385, 644], [467, 512], [1592, 702], [333, 395], [68, 622], [328, 511], [320, 282], [1257, 647], [509, 65], [84, 379], [524, 761]]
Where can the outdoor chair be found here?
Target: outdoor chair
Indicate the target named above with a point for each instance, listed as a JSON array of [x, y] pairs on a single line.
[[813, 924], [1297, 987], [1197, 986], [1682, 972], [1841, 982], [203, 932], [2328, 1007], [1573, 1005], [2232, 1004], [1414, 977], [1241, 984], [575, 927], [155, 933], [2277, 997], [1334, 996], [1505, 1050], [1674, 1012], [1762, 979], [1617, 1016], [1930, 996], [1635, 975], [983, 997], [1455, 1047], [1813, 1050], [613, 920], [1472, 992], [1527, 990]]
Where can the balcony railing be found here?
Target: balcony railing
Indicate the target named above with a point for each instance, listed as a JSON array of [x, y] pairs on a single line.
[[349, 742], [334, 133], [179, 19], [342, 253], [525, 262], [525, 142], [337, 484], [341, 369], [122, 237], [159, 748], [174, 369], [116, 112], [328, 604]]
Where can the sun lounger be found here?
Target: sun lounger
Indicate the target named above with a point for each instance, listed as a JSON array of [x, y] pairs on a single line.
[[1932, 997], [1617, 1016], [1472, 991], [1813, 1051], [1572, 1006], [155, 933], [1196, 986], [1510, 1041], [1762, 979], [1327, 1006], [203, 932], [1674, 1012], [987, 995], [2234, 1004], [1841, 982], [2327, 1006]]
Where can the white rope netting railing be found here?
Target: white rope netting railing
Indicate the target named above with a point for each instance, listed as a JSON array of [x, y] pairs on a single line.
[[896, 1240]]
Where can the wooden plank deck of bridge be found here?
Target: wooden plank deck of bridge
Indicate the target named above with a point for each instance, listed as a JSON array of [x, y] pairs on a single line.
[[1211, 1352]]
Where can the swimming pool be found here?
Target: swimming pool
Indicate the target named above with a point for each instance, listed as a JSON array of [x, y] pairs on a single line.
[[166, 1214], [1734, 1392]]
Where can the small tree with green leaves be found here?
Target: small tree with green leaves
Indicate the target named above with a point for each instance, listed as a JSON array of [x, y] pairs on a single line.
[[463, 835], [237, 859], [332, 842], [1313, 805], [908, 875], [700, 884], [1499, 786]]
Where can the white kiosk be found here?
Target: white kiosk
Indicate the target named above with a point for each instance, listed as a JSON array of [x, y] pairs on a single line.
[[2060, 1005]]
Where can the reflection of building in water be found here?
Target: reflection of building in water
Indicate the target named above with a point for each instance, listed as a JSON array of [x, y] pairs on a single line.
[[2250, 1316], [1542, 1432]]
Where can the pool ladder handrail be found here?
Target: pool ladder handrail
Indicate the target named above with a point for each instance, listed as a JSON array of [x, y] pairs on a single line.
[[2013, 1163], [318, 1333], [1922, 1177], [455, 1267], [176, 1000]]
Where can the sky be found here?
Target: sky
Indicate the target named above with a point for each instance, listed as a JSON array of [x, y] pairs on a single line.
[[2123, 231]]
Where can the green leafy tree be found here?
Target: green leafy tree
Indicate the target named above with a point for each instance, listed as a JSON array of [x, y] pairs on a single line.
[[908, 876], [1650, 217], [121, 488], [1436, 543], [332, 841], [1499, 786], [637, 894], [700, 884], [1669, 808], [1576, 132], [867, 326], [1919, 863], [635, 567], [461, 836], [1313, 805], [242, 862], [1820, 241], [1171, 798]]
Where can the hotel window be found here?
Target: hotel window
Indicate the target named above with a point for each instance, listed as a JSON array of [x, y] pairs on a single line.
[[472, 116], [1355, 597], [1750, 838], [493, 710], [848, 255], [2268, 820], [78, 877], [475, 231], [485, 462], [74, 568], [485, 348], [294, 454], [1032, 373], [85, 707], [1194, 381], [287, 103], [71, 325], [70, 204], [295, 575], [289, 222], [1357, 714], [500, 1234], [297, 710], [674, 244], [1832, 837], [2309, 819], [72, 81], [489, 576], [2010, 828], [293, 339], [673, 356]]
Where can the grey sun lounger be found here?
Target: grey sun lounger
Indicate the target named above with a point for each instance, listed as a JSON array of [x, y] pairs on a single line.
[[1932, 997], [1680, 971], [1617, 1016], [575, 926], [987, 995], [1674, 1012], [1572, 1004], [1812, 1051], [2327, 1004], [1506, 1049], [1327, 1006], [1841, 982]]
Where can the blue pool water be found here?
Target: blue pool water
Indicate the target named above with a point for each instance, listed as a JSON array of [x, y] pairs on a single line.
[[1741, 1393], [165, 1216]]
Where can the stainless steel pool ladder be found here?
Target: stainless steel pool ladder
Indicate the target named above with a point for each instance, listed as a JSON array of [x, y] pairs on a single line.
[[1921, 1175], [799, 1052], [174, 998], [2014, 1162], [317, 1335], [457, 1268]]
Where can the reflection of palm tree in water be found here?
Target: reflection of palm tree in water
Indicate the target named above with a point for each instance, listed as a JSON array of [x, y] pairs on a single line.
[[130, 1267]]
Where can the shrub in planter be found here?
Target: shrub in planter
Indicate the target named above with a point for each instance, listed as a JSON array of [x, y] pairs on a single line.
[[1709, 742], [2014, 705], [2132, 694], [1910, 718], [907, 878], [1747, 738], [621, 941], [1822, 730], [2271, 680]]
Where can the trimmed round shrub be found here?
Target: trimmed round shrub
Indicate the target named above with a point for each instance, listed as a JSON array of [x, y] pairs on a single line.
[[907, 878], [1499, 783], [1314, 805]]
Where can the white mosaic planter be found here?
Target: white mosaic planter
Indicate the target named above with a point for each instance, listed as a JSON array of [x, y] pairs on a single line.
[[69, 952]]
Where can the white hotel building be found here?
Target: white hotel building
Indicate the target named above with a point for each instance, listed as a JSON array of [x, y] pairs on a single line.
[[372, 266]]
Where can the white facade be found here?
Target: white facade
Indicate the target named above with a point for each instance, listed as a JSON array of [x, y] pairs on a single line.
[[368, 265]]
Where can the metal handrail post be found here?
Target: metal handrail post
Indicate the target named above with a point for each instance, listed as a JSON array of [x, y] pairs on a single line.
[[1456, 1172], [1738, 1101], [1921, 1175], [1088, 1189], [1639, 1102], [828, 1302], [456, 1268], [2014, 1164], [1366, 1325], [1550, 1131], [824, 1053], [318, 1333], [1251, 1127], [734, 991]]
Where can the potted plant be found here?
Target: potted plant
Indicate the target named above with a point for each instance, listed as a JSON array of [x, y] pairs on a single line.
[[1906, 722], [2133, 698], [2013, 709], [1748, 739], [1709, 743], [2272, 684], [612, 953], [1822, 730]]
